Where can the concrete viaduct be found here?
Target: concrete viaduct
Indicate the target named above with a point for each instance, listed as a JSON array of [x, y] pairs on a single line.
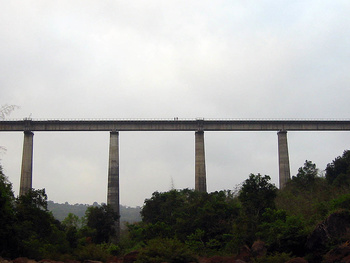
[[199, 126]]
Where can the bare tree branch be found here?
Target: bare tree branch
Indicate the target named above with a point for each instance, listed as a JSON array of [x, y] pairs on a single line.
[[6, 109]]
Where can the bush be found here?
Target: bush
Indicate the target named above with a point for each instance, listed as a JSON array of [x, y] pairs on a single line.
[[283, 233], [343, 202], [274, 258], [91, 252], [165, 250]]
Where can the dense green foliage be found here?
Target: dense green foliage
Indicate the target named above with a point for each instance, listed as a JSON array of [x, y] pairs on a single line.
[[101, 219], [338, 172], [29, 229], [306, 176], [282, 232], [221, 223], [199, 219], [309, 195], [178, 224], [166, 250], [38, 231], [256, 195], [7, 216]]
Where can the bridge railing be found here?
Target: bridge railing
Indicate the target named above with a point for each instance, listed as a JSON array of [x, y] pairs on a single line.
[[178, 119]]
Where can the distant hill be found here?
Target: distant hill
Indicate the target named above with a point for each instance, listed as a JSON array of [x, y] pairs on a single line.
[[60, 211]]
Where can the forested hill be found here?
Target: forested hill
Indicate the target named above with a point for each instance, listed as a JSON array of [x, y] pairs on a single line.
[[60, 211]]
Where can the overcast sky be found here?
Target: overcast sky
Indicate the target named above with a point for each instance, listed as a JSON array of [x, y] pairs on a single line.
[[165, 59]]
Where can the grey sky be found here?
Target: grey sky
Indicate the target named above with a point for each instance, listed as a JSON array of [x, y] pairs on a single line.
[[165, 59]]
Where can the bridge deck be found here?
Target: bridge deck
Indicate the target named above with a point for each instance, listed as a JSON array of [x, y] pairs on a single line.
[[174, 125]]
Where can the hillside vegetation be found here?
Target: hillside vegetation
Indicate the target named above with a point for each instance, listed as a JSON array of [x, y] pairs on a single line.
[[307, 218]]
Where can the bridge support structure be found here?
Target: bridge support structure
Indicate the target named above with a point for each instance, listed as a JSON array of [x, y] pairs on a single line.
[[283, 158], [113, 180], [27, 163], [200, 172], [113, 169]]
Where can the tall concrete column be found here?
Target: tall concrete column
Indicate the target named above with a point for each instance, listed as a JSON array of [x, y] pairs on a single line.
[[200, 174], [27, 163], [113, 179], [283, 158]]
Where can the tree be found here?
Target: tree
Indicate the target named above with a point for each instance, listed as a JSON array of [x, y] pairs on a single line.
[[71, 220], [162, 207], [283, 233], [71, 223], [8, 241], [40, 233], [257, 194], [338, 172], [308, 194], [34, 199], [306, 175], [27, 228], [189, 216], [101, 219]]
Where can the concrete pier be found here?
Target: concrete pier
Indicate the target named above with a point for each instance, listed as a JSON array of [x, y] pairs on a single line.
[[283, 158], [27, 163], [200, 173], [113, 179]]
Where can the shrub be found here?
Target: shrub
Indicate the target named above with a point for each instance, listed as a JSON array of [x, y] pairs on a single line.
[[165, 250], [91, 252], [274, 258]]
